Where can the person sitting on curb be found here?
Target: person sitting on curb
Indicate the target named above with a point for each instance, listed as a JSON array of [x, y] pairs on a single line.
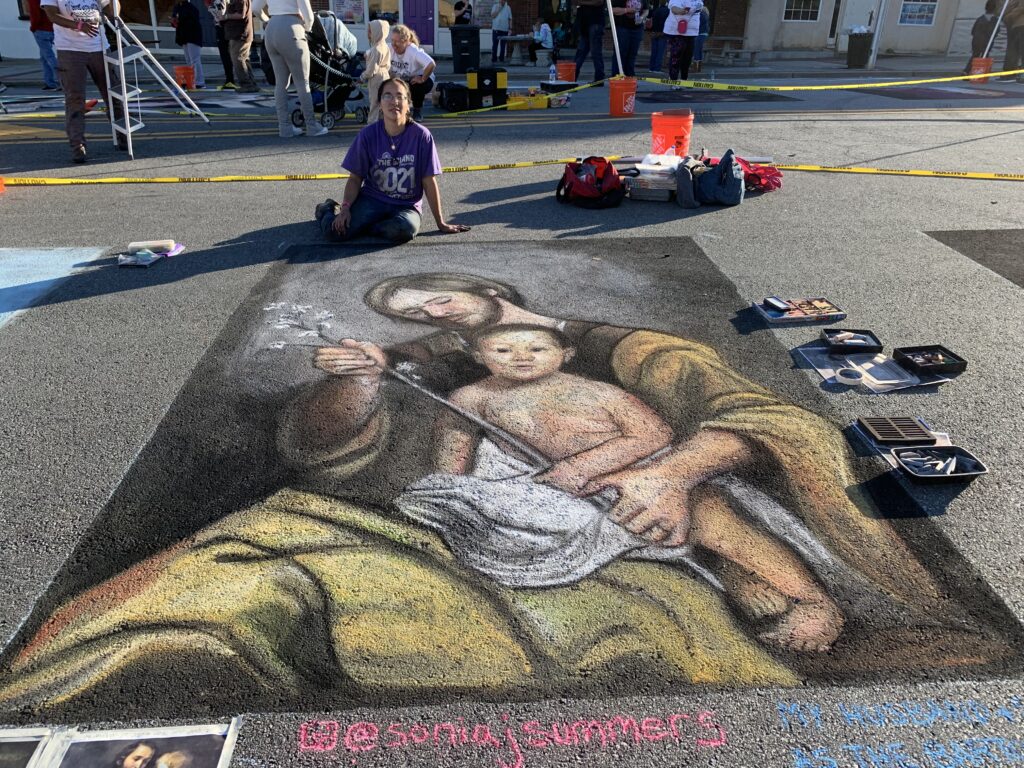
[[393, 163]]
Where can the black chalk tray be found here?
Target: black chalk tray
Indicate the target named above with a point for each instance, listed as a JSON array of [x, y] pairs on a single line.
[[841, 341], [813, 310], [939, 463], [929, 358]]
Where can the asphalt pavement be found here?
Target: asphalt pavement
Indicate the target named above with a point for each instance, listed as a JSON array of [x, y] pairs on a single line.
[[99, 363]]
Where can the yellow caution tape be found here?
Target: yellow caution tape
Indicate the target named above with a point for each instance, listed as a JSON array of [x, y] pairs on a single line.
[[25, 181], [711, 85], [903, 172]]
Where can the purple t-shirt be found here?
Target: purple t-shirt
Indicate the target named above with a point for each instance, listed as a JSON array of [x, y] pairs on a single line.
[[396, 175]]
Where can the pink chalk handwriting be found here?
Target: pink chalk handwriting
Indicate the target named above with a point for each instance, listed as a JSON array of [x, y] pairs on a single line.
[[318, 736], [511, 742]]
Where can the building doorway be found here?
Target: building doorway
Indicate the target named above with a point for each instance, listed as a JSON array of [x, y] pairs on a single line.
[[419, 15]]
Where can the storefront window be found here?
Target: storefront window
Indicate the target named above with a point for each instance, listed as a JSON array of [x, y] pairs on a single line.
[[917, 14], [386, 10], [801, 10], [349, 11]]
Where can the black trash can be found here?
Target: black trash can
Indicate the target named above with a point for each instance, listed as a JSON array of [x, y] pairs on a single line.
[[465, 47], [859, 49]]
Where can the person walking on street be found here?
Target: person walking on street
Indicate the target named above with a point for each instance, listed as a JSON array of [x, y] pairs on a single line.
[[1014, 20], [656, 23], [189, 35], [42, 31], [237, 25], [629, 17], [590, 23], [702, 37], [681, 28], [501, 27], [81, 44], [285, 38]]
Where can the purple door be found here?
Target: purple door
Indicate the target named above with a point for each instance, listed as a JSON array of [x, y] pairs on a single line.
[[419, 14]]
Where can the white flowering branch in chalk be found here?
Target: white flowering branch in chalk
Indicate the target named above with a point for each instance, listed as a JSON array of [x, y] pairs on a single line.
[[300, 326]]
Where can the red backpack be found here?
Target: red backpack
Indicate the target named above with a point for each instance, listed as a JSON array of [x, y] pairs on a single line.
[[593, 183]]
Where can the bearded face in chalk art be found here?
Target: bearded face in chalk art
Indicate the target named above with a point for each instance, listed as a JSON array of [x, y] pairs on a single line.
[[513, 503]]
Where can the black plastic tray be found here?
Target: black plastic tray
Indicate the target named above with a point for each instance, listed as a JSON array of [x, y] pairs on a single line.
[[952, 364], [972, 464], [843, 348]]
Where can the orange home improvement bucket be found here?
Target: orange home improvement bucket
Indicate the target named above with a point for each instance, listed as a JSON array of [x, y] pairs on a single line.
[[185, 76], [670, 130], [622, 92], [566, 71], [980, 66]]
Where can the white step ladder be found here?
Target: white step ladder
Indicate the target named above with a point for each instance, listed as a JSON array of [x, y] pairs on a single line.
[[128, 49]]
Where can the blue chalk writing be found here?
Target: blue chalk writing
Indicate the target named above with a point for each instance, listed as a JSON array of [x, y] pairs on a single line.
[[915, 713], [968, 753], [882, 756], [815, 758], [795, 712]]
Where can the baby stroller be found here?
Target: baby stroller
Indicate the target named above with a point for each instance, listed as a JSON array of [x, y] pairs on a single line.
[[333, 69]]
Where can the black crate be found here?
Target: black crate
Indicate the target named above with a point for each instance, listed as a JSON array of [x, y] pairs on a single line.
[[453, 97], [967, 466], [911, 359], [836, 347]]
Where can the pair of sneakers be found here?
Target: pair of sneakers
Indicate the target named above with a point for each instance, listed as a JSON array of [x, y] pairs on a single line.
[[317, 130]]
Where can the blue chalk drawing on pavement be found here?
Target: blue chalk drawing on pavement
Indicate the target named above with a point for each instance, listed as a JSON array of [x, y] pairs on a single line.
[[28, 274]]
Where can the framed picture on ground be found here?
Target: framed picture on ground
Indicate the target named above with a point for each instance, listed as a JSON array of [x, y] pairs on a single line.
[[22, 747], [193, 746]]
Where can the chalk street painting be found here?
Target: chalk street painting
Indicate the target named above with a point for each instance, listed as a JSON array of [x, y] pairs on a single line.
[[484, 474]]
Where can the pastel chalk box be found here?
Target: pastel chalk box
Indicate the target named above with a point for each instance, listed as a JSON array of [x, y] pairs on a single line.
[[930, 358], [843, 341], [939, 463]]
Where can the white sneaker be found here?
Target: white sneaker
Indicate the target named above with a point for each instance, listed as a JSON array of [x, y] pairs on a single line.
[[291, 133], [318, 131]]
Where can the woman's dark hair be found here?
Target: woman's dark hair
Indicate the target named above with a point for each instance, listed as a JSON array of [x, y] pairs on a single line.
[[397, 81], [123, 754]]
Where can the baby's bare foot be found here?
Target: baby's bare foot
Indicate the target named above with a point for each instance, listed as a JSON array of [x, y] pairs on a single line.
[[810, 626]]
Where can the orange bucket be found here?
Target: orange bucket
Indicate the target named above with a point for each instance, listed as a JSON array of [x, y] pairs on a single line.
[[185, 77], [622, 92], [670, 130], [980, 67], [566, 71]]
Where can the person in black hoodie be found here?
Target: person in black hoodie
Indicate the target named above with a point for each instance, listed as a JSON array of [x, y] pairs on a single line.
[[189, 35]]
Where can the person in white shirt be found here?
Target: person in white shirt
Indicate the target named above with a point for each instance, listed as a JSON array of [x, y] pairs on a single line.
[[80, 43], [285, 38], [501, 26], [681, 29], [411, 63]]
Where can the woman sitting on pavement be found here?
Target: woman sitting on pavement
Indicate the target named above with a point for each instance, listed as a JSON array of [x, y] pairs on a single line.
[[412, 64], [393, 163]]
